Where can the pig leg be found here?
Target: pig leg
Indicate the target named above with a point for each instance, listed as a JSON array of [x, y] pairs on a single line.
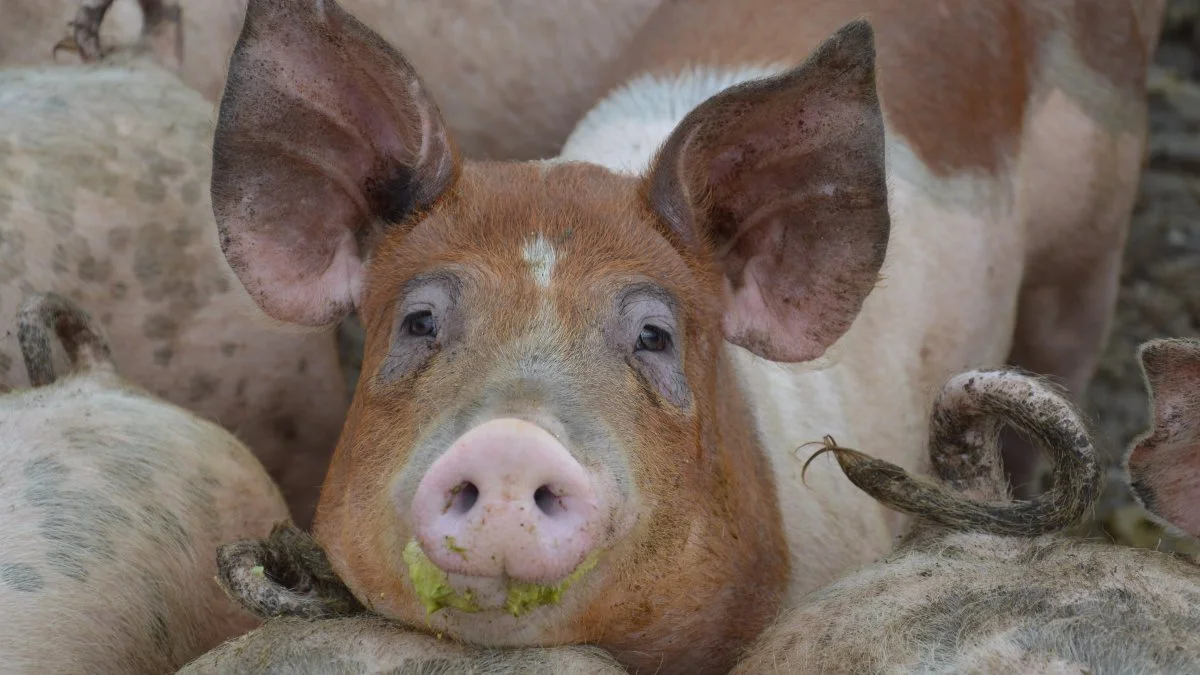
[[161, 32], [1075, 237], [1061, 332]]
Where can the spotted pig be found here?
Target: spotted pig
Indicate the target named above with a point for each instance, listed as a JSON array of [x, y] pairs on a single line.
[[983, 584], [112, 505], [104, 198]]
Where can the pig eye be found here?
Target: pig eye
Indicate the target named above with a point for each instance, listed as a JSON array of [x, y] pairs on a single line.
[[420, 324], [652, 339]]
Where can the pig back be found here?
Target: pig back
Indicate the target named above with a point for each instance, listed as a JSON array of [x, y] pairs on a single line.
[[113, 506]]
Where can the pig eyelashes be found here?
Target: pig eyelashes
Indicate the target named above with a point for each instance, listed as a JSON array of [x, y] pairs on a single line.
[[419, 324], [652, 339]]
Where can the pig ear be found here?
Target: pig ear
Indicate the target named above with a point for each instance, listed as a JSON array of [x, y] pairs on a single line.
[[784, 178], [326, 136], [1164, 464]]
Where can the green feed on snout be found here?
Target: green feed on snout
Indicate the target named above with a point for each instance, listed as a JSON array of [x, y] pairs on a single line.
[[434, 591]]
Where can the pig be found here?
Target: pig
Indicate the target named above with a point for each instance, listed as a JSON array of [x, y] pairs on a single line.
[[585, 380], [983, 584], [315, 624], [513, 76], [104, 198], [114, 502]]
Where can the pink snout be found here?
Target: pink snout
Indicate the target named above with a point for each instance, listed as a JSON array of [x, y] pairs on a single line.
[[507, 500]]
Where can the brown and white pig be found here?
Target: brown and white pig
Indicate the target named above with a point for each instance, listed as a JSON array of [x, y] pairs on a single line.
[[513, 77], [314, 624], [112, 505], [585, 381], [104, 198], [985, 585]]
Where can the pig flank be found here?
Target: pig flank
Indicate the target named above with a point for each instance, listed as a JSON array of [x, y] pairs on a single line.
[[999, 594], [738, 225], [114, 502], [104, 198]]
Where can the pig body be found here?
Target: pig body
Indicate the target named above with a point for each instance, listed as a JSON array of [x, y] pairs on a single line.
[[114, 503], [104, 198], [513, 77], [988, 593], [585, 380]]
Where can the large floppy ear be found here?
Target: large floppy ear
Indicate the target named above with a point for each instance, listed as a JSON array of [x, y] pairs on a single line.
[[783, 178], [325, 137], [1164, 464]]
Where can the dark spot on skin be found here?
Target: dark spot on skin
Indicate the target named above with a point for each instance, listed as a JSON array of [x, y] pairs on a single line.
[[159, 632], [21, 577], [126, 474], [286, 428], [201, 387], [59, 260], [153, 193], [119, 238], [159, 327], [6, 363], [162, 356], [91, 269], [46, 471], [228, 348], [106, 319], [163, 526], [77, 524], [240, 390], [302, 367], [119, 290], [190, 192], [53, 201]]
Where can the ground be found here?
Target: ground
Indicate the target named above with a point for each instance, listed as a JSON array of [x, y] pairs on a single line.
[[1160, 281]]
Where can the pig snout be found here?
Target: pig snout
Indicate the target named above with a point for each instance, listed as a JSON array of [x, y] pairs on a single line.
[[507, 499]]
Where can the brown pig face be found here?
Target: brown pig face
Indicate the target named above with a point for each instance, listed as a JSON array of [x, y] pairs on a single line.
[[548, 444], [537, 371]]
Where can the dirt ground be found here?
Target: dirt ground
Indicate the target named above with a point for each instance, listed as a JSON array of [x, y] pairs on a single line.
[[1160, 283]]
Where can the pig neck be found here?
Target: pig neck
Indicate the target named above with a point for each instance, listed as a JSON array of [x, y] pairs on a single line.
[[868, 391]]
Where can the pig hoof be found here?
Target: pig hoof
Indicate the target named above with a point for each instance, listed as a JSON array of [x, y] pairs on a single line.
[[286, 574]]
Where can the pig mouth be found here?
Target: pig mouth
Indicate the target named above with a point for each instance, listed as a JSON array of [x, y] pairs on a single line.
[[437, 590]]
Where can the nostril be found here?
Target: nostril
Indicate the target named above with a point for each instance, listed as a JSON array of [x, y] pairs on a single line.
[[548, 502], [462, 498]]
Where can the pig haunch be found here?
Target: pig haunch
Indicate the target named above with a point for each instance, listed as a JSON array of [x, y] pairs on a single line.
[[983, 586], [113, 505]]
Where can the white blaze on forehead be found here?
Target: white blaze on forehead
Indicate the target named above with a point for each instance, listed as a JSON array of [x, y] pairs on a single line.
[[540, 256]]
